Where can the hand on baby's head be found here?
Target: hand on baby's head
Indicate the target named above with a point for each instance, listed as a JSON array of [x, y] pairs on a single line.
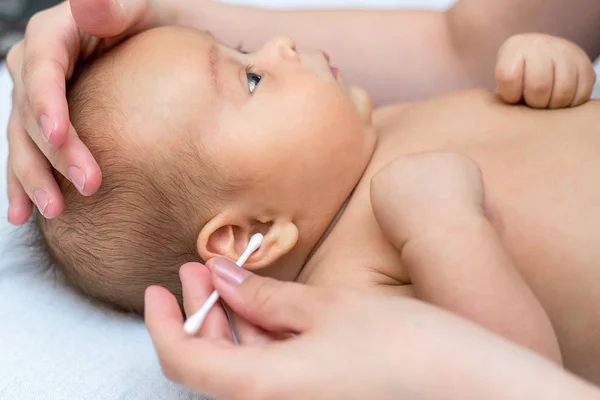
[[141, 225], [198, 152]]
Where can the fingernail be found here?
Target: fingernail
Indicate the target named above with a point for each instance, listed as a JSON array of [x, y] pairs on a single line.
[[76, 176], [228, 271], [41, 200], [47, 127]]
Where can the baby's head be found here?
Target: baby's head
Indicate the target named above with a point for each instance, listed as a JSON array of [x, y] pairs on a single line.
[[202, 146]]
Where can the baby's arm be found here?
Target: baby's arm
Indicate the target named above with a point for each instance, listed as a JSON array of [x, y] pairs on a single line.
[[544, 71], [430, 206]]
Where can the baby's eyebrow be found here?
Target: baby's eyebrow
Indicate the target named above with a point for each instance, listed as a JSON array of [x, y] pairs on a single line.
[[213, 59]]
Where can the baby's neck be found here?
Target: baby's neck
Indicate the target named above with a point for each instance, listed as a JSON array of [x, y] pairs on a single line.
[[300, 260], [325, 234], [329, 240]]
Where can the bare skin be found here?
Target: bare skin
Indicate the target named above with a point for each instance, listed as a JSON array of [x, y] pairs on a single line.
[[527, 158], [331, 143], [460, 50], [541, 194]]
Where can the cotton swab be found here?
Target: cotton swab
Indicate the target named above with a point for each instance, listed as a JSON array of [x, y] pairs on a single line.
[[194, 323]]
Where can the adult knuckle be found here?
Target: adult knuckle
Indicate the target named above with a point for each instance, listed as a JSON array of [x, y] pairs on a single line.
[[13, 58], [27, 176], [36, 20], [30, 66]]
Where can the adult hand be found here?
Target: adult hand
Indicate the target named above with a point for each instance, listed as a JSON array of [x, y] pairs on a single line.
[[351, 345], [39, 132]]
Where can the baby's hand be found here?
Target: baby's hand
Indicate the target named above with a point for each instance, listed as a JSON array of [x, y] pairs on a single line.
[[543, 71]]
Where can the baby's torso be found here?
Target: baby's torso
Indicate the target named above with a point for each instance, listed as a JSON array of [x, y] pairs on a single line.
[[541, 171]]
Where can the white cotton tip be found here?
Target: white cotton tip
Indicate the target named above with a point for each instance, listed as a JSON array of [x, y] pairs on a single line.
[[194, 323], [253, 245]]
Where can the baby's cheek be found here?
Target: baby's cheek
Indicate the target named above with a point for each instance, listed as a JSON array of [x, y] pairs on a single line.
[[363, 104]]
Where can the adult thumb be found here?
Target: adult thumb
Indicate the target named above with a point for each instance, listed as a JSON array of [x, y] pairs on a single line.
[[109, 18], [273, 305]]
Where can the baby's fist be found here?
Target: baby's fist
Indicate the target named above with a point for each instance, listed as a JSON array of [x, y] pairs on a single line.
[[544, 71]]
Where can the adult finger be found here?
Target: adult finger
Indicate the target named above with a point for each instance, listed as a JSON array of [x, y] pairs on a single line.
[[248, 333], [32, 171], [73, 159], [110, 18], [197, 286], [50, 48], [215, 368], [19, 205], [273, 305]]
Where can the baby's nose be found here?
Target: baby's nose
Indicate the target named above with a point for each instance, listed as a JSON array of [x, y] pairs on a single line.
[[281, 47]]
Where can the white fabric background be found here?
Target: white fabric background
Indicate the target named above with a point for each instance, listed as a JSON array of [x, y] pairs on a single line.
[[56, 345]]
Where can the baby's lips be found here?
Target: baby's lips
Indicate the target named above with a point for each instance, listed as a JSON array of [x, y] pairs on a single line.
[[334, 71]]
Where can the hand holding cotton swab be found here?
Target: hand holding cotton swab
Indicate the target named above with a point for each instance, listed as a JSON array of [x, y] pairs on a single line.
[[194, 323]]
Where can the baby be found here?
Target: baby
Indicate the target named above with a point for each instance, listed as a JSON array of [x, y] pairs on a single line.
[[202, 146]]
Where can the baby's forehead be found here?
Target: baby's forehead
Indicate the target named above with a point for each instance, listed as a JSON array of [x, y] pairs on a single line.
[[162, 81], [172, 48]]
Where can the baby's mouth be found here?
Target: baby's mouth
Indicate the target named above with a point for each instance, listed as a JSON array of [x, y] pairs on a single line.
[[334, 71]]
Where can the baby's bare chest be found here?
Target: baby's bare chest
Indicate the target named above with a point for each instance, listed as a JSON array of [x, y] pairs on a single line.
[[540, 170], [542, 190]]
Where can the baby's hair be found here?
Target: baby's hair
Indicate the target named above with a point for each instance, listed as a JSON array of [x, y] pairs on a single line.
[[143, 222]]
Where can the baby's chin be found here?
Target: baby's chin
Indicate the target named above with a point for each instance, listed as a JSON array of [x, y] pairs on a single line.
[[363, 104]]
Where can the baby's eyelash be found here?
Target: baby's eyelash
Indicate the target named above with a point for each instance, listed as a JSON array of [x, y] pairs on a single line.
[[250, 69]]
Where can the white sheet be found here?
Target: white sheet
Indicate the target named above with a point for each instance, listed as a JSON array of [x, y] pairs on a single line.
[[44, 353]]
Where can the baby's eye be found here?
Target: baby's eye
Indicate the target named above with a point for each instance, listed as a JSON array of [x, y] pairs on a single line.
[[253, 80]]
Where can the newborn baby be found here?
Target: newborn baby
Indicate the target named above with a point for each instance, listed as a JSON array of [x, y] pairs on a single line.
[[202, 146]]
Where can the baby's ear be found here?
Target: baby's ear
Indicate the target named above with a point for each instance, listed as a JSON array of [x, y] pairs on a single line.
[[228, 236]]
